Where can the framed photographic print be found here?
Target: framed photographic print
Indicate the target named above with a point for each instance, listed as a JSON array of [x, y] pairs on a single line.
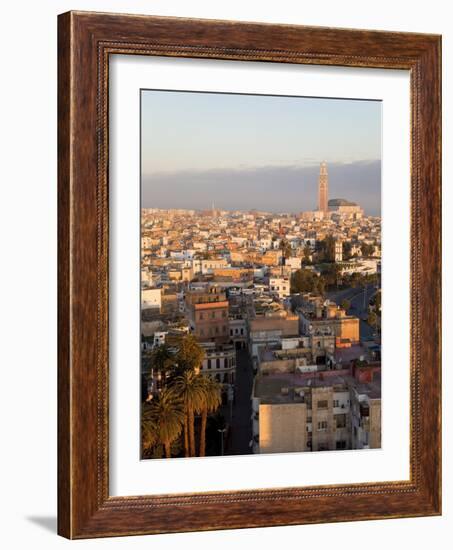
[[249, 275]]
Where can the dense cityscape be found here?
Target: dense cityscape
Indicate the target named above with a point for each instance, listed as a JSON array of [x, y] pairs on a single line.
[[260, 331]]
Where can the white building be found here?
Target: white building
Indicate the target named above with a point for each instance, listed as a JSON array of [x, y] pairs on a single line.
[[238, 332], [159, 338], [219, 362], [152, 298], [207, 266], [146, 278], [367, 266], [279, 286], [338, 251], [293, 263]]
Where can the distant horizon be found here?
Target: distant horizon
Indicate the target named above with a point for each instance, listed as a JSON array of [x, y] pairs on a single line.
[[257, 152], [249, 210]]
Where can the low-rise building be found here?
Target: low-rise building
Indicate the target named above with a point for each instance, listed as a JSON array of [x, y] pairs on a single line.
[[152, 298], [295, 412], [279, 286], [219, 362]]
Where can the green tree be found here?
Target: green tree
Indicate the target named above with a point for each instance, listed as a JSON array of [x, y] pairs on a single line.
[[285, 247], [304, 280], [190, 355], [366, 249], [212, 399], [189, 387], [162, 358], [329, 254], [347, 250], [332, 274], [149, 433], [372, 319], [307, 255], [377, 301], [167, 414]]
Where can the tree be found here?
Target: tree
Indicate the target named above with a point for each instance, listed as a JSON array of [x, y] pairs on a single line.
[[366, 249], [329, 253], [345, 304], [189, 387], [307, 254], [377, 301], [347, 250], [166, 412], [304, 280], [212, 399], [190, 355], [332, 274], [372, 319], [162, 358], [148, 431], [285, 247]]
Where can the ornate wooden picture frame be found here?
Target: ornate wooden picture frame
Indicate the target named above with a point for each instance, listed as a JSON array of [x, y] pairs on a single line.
[[86, 40]]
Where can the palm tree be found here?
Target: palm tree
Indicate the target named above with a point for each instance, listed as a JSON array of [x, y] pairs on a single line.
[[190, 354], [167, 413], [161, 358], [149, 433], [189, 387], [212, 399]]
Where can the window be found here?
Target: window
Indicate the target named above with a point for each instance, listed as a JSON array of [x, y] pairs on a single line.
[[336, 403], [322, 426], [340, 420], [341, 445], [322, 404], [309, 419], [217, 363], [209, 363], [242, 331]]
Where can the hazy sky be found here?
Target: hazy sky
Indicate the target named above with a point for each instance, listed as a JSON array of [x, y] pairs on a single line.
[[248, 151]]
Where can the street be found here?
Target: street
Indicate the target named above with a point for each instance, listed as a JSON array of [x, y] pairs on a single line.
[[241, 427]]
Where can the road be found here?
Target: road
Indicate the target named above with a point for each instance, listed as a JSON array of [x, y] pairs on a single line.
[[359, 299], [241, 426]]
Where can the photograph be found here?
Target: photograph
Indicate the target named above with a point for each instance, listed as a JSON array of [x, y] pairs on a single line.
[[260, 274]]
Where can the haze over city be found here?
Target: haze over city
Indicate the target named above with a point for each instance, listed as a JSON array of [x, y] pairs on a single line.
[[244, 152]]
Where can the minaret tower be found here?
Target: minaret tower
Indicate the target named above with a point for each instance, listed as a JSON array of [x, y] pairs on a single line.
[[323, 188]]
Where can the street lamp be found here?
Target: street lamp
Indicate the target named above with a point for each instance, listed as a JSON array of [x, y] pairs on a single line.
[[221, 432]]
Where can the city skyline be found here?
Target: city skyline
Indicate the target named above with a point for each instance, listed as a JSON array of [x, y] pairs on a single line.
[[297, 192], [247, 152]]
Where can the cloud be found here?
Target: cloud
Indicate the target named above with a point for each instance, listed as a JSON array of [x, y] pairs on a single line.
[[289, 188]]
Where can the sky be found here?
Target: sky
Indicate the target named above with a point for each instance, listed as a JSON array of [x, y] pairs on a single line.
[[257, 152]]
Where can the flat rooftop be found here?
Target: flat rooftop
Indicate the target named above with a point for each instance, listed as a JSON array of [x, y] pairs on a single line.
[[268, 388]]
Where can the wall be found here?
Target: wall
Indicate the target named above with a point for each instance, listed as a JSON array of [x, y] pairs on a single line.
[[28, 211], [282, 427]]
